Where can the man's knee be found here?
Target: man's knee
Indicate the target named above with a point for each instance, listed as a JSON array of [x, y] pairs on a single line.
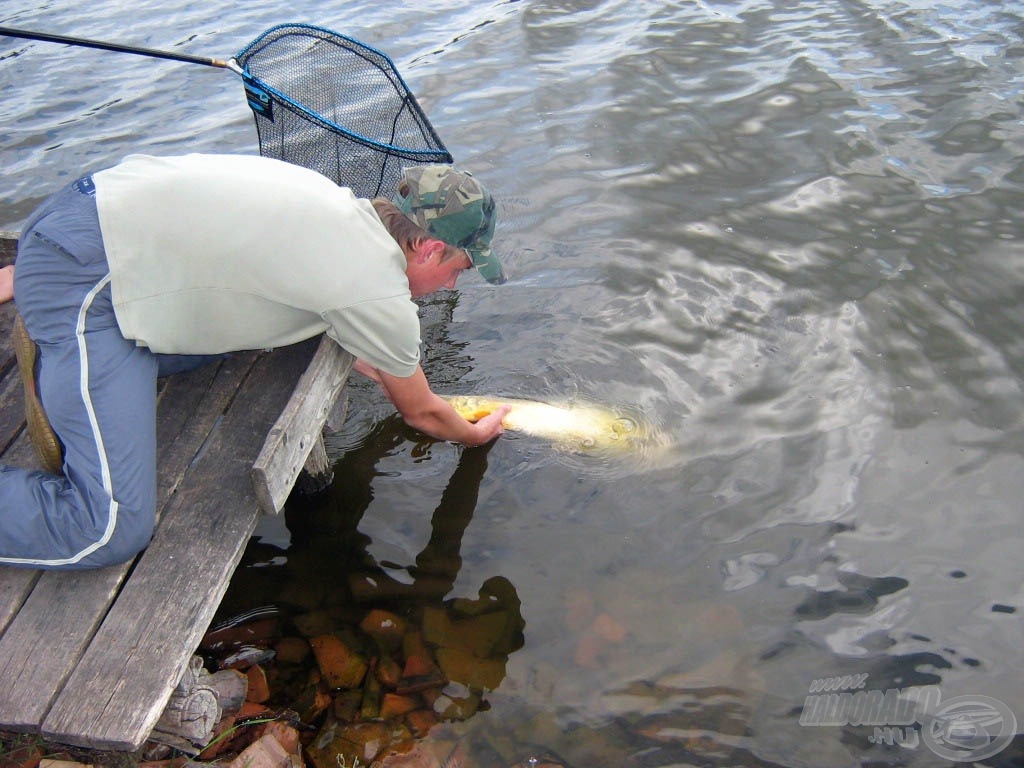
[[48, 522], [131, 533]]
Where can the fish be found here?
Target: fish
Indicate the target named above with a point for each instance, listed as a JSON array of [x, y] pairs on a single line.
[[573, 426]]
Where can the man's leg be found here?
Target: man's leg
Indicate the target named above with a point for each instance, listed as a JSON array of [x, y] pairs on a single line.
[[100, 397], [99, 392]]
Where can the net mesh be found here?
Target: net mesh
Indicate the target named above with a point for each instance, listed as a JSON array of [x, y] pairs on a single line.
[[332, 104]]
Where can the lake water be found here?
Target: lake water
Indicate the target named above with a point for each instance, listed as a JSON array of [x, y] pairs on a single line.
[[786, 234]]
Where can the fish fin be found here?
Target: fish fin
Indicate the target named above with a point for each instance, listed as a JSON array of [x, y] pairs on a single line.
[[476, 413]]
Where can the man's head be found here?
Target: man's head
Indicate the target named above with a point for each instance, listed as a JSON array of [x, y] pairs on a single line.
[[454, 207]]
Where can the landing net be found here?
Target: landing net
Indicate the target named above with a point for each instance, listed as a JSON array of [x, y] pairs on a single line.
[[330, 103]]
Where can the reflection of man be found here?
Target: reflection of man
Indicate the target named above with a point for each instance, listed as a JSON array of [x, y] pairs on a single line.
[[471, 638], [157, 261], [325, 532]]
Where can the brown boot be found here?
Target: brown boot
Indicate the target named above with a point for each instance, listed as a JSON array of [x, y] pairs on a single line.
[[43, 438]]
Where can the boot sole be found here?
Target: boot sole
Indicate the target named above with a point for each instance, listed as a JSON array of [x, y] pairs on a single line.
[[44, 440]]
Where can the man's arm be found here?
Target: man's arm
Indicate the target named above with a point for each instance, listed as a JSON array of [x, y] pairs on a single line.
[[367, 370], [423, 410]]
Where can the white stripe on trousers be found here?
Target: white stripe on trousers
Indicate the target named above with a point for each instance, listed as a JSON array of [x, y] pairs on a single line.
[[83, 367]]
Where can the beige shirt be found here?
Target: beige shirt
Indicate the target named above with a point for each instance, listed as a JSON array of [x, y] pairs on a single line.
[[217, 253]]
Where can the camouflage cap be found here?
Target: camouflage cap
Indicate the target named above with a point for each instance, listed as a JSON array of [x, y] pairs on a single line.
[[454, 207]]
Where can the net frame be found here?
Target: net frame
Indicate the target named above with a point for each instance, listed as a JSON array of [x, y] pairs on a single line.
[[331, 103]]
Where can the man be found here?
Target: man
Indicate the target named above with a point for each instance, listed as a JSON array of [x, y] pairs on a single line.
[[153, 265]]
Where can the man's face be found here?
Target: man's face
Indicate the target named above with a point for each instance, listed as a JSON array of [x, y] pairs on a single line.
[[428, 271]]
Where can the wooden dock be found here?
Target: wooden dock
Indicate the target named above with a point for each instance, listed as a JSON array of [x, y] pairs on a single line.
[[90, 658]]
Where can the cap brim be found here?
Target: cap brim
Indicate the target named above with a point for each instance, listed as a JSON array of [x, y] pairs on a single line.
[[488, 265]]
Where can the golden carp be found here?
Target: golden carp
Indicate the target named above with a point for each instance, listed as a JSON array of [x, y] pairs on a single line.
[[573, 426]]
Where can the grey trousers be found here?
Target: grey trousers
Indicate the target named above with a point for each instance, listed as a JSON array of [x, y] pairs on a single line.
[[99, 392]]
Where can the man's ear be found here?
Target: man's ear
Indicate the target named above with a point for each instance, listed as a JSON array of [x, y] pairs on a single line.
[[428, 248]]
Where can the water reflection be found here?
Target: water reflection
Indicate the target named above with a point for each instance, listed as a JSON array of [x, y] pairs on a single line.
[[326, 531], [391, 657]]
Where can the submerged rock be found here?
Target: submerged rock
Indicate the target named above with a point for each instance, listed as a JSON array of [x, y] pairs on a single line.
[[368, 681], [341, 666]]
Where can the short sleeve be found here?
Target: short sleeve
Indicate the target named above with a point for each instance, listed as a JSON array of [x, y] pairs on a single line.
[[383, 332]]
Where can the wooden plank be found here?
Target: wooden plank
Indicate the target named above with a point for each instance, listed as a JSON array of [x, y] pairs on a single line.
[[8, 246], [119, 689], [12, 410], [15, 586], [65, 608], [189, 407], [299, 427], [51, 618]]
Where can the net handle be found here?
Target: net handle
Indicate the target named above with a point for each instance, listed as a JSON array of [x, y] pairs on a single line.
[[118, 47]]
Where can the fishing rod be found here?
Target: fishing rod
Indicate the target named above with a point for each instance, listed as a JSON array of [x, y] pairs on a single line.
[[308, 88]]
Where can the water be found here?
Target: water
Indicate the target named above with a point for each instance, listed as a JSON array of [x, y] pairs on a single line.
[[786, 234]]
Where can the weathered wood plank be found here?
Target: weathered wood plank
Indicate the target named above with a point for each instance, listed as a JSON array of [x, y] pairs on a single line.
[[12, 411], [118, 690], [298, 429], [190, 405], [8, 246], [15, 585], [65, 609], [51, 619]]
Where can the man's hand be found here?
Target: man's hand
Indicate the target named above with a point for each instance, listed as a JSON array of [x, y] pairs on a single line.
[[490, 425], [425, 411]]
